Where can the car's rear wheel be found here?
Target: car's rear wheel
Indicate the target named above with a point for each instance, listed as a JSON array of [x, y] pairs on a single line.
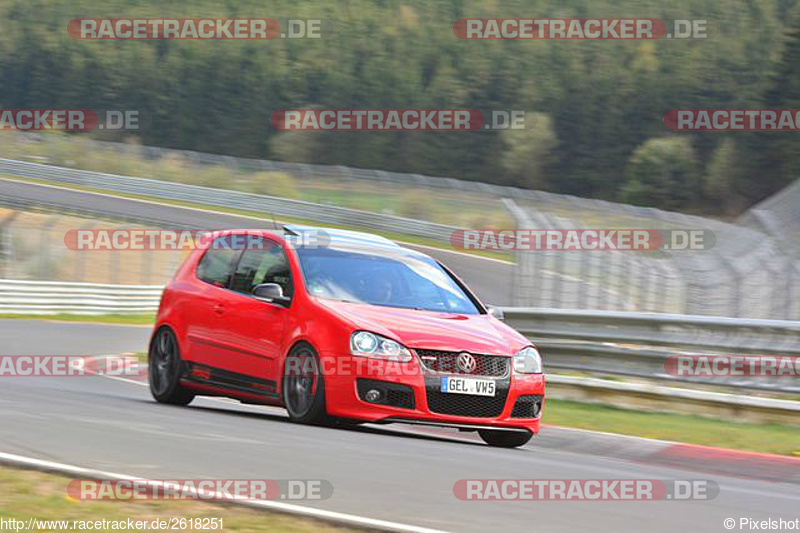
[[304, 386], [505, 439], [164, 369]]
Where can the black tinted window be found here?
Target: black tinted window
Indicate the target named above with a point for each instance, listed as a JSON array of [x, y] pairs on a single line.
[[216, 265]]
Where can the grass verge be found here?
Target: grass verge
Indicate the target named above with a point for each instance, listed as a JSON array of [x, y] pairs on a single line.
[[767, 438], [26, 494]]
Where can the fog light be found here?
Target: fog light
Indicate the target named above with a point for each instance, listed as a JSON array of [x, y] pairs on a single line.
[[372, 395]]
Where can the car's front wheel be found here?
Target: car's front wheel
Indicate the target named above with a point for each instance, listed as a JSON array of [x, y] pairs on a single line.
[[304, 386], [164, 369], [505, 439]]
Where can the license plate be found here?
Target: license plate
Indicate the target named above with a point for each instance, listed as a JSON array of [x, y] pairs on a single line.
[[476, 387]]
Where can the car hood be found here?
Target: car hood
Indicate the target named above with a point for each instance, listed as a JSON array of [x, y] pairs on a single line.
[[431, 330]]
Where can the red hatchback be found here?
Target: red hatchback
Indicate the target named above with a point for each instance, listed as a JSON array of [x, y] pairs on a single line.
[[336, 324]]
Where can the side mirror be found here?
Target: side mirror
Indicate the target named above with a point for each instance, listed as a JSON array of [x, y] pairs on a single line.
[[271, 293], [496, 312]]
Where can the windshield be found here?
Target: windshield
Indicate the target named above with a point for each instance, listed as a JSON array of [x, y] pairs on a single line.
[[389, 279]]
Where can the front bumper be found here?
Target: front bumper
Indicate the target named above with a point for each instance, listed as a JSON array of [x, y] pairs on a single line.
[[428, 404]]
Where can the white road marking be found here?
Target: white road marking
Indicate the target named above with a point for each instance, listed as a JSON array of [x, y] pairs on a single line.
[[22, 414], [142, 383], [457, 252], [209, 398]]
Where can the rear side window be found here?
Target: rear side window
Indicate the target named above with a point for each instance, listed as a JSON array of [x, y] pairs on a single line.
[[217, 264]]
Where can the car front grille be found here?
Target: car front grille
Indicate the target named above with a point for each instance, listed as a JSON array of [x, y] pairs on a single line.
[[445, 363], [465, 404], [527, 406]]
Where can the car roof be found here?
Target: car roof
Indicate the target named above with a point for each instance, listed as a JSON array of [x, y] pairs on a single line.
[[335, 238], [349, 238]]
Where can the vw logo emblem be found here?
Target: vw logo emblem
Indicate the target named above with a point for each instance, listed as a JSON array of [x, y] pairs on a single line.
[[466, 362]]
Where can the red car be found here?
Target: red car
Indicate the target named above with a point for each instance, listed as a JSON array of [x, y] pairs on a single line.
[[340, 325]]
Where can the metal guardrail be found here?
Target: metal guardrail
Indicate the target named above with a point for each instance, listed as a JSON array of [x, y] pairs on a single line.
[[638, 344], [268, 206], [651, 397], [54, 297], [658, 329]]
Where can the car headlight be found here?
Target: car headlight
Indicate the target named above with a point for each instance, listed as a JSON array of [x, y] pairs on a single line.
[[528, 361], [366, 344]]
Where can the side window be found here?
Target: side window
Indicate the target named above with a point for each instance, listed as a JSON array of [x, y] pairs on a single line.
[[266, 265], [216, 265]]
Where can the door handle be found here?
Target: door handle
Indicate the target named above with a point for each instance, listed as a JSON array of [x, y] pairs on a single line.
[[219, 309]]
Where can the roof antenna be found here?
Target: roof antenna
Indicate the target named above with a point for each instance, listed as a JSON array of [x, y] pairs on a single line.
[[275, 224]]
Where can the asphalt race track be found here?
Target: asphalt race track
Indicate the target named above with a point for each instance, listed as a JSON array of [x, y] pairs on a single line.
[[395, 473], [490, 279]]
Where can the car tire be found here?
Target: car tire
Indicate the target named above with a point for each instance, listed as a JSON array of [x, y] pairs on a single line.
[[505, 439], [303, 386], [164, 364]]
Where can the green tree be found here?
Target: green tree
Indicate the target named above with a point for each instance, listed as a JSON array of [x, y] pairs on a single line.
[[662, 173], [776, 156], [529, 150], [722, 177]]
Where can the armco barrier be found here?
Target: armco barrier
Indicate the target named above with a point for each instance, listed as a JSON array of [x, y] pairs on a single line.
[[652, 397], [657, 329], [54, 297], [617, 343]]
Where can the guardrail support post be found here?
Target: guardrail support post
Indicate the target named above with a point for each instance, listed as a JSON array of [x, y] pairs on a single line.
[[6, 244], [44, 247]]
